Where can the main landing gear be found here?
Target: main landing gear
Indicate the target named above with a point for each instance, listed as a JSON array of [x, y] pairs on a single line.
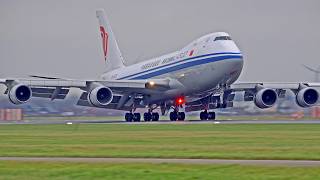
[[151, 116], [205, 115], [132, 117], [147, 116], [176, 115]]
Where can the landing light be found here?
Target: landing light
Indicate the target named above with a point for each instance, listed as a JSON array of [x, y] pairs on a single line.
[[152, 83]]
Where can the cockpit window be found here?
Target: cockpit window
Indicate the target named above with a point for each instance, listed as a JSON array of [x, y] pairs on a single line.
[[219, 38]]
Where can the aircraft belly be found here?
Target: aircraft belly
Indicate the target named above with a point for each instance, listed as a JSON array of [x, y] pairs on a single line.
[[195, 78], [202, 78]]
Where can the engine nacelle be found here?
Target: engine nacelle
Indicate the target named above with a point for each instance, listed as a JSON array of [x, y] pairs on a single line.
[[266, 98], [20, 94], [100, 96], [307, 97]]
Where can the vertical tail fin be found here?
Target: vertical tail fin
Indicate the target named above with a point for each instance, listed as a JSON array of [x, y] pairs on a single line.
[[111, 50]]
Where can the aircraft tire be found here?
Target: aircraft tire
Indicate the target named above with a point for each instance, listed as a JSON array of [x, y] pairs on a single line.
[[211, 115], [147, 116], [155, 116], [136, 117], [203, 116], [128, 117], [173, 116], [181, 116]]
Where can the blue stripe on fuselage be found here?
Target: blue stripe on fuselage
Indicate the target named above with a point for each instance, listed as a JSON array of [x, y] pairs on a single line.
[[186, 64]]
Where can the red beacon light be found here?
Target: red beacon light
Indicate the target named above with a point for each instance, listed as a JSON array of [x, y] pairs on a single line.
[[180, 101]]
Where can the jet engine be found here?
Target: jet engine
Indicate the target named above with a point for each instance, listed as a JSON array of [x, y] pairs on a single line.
[[307, 97], [20, 94], [266, 98], [100, 96]]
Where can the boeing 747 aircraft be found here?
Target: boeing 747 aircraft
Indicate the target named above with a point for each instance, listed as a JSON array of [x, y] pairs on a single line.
[[199, 77]]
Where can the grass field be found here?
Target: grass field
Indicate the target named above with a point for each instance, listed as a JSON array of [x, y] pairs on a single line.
[[44, 170], [287, 141]]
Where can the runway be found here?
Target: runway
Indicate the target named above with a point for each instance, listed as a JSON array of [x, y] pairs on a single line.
[[159, 161], [162, 122]]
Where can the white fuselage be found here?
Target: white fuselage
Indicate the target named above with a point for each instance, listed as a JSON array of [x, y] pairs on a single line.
[[202, 65]]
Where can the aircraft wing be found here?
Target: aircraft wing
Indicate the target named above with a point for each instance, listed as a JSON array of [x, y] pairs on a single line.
[[122, 90], [276, 85], [250, 89], [118, 85]]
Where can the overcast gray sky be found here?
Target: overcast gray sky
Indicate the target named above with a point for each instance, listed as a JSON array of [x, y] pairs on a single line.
[[61, 37]]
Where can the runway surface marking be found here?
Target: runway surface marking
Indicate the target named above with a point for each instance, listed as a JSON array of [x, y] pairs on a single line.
[[159, 161]]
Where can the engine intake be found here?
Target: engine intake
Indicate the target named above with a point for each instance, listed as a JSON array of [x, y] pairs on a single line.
[[100, 96], [307, 97], [266, 98], [20, 94]]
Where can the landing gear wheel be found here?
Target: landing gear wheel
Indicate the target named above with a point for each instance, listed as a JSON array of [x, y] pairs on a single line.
[[136, 117], [211, 115], [173, 116], [155, 116], [128, 117], [181, 116], [147, 116], [204, 115]]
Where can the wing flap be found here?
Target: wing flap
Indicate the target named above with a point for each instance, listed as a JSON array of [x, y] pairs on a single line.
[[48, 90], [52, 93], [49, 96]]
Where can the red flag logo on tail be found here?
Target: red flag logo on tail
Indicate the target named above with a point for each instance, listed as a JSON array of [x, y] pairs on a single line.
[[105, 37]]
